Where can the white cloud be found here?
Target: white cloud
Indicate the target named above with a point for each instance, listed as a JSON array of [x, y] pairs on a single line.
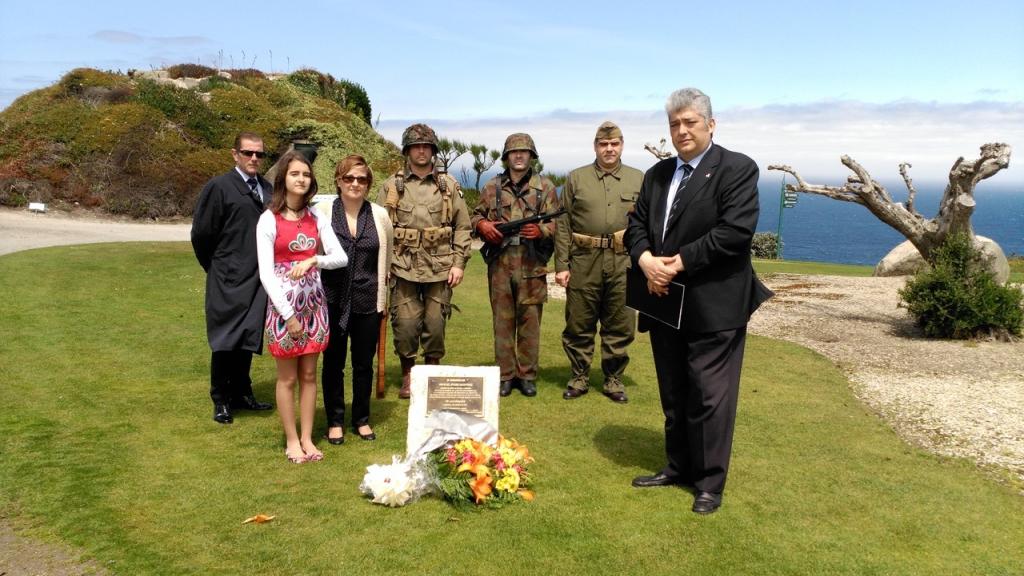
[[810, 137]]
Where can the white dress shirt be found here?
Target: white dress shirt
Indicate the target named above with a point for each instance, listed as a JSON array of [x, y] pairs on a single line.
[[675, 184]]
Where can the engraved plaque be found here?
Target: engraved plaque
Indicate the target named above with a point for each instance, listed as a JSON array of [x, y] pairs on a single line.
[[469, 389], [462, 393]]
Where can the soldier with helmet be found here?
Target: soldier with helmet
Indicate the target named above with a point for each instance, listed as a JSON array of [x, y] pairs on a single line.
[[591, 262], [432, 242], [517, 272]]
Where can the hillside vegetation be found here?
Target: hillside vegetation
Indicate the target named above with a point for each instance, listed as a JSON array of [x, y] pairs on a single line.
[[143, 146]]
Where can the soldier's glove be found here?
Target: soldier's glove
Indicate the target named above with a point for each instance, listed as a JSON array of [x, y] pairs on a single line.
[[489, 232], [530, 232]]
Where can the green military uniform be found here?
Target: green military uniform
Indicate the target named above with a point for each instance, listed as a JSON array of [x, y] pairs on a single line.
[[589, 246], [431, 237], [517, 278]]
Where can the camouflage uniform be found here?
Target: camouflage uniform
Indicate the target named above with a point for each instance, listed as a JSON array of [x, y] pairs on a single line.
[[431, 237], [589, 245], [517, 278]]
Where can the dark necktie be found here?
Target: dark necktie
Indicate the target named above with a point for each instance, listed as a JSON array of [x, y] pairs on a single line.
[[676, 201], [255, 192]]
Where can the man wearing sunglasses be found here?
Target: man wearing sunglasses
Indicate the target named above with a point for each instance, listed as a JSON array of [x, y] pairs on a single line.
[[224, 241]]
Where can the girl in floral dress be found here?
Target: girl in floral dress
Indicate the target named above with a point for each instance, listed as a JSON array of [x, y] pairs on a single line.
[[287, 237]]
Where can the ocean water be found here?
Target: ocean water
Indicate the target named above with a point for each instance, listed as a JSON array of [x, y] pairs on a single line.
[[821, 229]]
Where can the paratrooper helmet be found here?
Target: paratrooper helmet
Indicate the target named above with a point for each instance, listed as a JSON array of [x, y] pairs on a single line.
[[419, 134], [519, 141]]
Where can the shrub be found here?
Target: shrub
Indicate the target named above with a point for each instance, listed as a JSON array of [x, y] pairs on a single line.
[[958, 298], [349, 95], [76, 82], [356, 100], [245, 73], [211, 83], [184, 107], [239, 108], [190, 71], [765, 246]]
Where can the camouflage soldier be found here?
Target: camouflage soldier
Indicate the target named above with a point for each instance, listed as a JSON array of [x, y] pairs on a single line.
[[591, 262], [516, 267], [432, 240]]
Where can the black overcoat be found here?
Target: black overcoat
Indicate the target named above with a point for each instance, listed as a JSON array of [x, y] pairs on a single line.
[[224, 241]]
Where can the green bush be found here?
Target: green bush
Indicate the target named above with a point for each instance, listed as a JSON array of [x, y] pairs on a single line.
[[958, 298], [356, 100], [76, 82], [244, 73], [190, 71], [765, 246], [184, 107], [349, 95]]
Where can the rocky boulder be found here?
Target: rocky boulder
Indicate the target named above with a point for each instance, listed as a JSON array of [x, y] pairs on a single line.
[[905, 260]]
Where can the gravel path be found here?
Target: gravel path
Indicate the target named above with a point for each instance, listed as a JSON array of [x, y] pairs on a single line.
[[22, 230]]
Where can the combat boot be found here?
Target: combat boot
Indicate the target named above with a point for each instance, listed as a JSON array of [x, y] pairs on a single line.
[[431, 361], [528, 388], [406, 390]]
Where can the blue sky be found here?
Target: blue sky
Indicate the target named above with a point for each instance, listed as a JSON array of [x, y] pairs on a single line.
[[791, 82]]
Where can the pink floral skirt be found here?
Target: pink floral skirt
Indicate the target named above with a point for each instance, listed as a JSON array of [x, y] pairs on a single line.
[[306, 296]]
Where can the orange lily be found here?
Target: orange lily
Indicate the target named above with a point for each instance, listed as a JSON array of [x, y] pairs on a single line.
[[481, 486], [526, 495]]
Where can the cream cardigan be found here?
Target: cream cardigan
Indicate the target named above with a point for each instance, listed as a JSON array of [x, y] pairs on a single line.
[[386, 235]]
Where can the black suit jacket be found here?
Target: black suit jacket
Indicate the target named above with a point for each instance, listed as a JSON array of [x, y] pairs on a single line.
[[712, 231], [224, 242]]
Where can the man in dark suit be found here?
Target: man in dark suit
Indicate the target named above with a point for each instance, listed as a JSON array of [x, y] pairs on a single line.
[[224, 241], [693, 224]]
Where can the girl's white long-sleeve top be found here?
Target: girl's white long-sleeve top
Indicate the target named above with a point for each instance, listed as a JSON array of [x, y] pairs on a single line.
[[266, 233]]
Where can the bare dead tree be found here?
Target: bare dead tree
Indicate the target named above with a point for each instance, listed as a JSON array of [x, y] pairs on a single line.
[[659, 153], [926, 234]]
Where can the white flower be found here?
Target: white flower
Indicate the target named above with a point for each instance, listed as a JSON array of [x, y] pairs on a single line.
[[390, 484]]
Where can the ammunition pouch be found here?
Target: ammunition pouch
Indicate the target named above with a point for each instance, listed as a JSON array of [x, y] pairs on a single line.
[[430, 239], [407, 237]]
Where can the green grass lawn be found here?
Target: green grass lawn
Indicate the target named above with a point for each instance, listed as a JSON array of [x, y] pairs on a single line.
[[107, 443], [1017, 269], [800, 267]]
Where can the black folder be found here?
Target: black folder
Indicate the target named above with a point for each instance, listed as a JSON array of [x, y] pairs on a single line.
[[667, 309]]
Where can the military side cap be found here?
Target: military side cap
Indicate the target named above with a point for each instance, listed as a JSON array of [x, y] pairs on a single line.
[[608, 131]]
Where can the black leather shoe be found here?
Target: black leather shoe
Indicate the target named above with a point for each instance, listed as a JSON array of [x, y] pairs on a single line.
[[528, 388], [371, 436], [617, 397], [574, 393], [706, 502], [506, 387], [335, 441], [249, 403], [659, 479], [222, 414]]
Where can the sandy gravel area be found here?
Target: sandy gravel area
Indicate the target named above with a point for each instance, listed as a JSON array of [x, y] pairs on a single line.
[[22, 230], [956, 398]]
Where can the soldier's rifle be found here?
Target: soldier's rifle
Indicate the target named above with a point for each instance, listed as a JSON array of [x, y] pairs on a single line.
[[511, 228]]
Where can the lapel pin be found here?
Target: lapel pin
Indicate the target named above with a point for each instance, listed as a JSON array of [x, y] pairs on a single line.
[[708, 175]]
